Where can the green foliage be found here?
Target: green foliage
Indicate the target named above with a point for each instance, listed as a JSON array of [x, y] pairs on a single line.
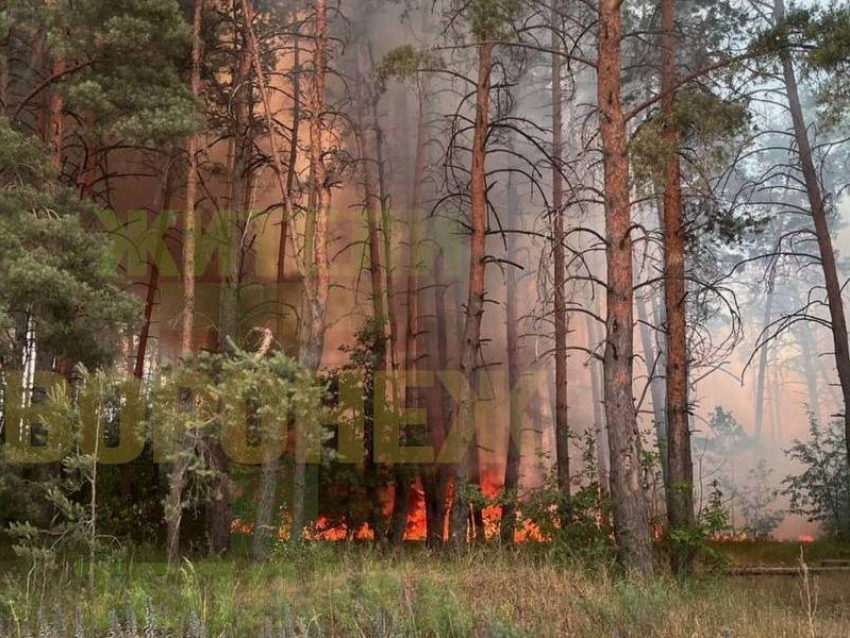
[[823, 35], [705, 123], [778, 37], [133, 89], [403, 64], [489, 19], [822, 491], [72, 493], [51, 268], [728, 437], [124, 61], [829, 62], [359, 490], [712, 522], [756, 501], [714, 519], [577, 531], [271, 391], [241, 400]]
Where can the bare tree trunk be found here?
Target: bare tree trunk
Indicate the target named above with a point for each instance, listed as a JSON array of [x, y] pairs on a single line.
[[56, 118], [372, 199], [186, 343], [631, 516], [471, 339], [439, 402], [761, 375], [89, 173], [827, 253], [290, 181], [283, 179], [821, 224], [401, 475], [153, 284], [413, 397], [174, 511], [810, 364], [144, 334], [654, 365], [239, 160], [220, 510], [316, 271], [776, 405], [562, 427], [600, 430], [510, 487], [373, 205], [386, 229], [680, 484], [264, 530], [265, 527], [4, 84]]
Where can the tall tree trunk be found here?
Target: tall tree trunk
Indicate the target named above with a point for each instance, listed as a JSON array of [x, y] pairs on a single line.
[[316, 276], [290, 181], [776, 405], [401, 475], [821, 224], [363, 131], [680, 484], [761, 375], [471, 339], [631, 516], [268, 481], [220, 510], [174, 511], [241, 147], [284, 180], [512, 463], [654, 365], [810, 364], [144, 334], [439, 402], [413, 396], [265, 527], [599, 427], [562, 427], [264, 530], [316, 272], [153, 281], [56, 118], [4, 83]]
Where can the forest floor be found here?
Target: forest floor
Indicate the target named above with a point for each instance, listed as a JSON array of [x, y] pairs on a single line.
[[368, 592]]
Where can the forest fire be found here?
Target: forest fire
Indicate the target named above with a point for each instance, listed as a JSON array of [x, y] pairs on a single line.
[[325, 528], [420, 274]]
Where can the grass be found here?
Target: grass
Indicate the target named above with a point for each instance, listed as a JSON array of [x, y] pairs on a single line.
[[752, 552], [366, 592]]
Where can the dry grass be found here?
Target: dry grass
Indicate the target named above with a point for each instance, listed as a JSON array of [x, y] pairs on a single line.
[[488, 592]]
